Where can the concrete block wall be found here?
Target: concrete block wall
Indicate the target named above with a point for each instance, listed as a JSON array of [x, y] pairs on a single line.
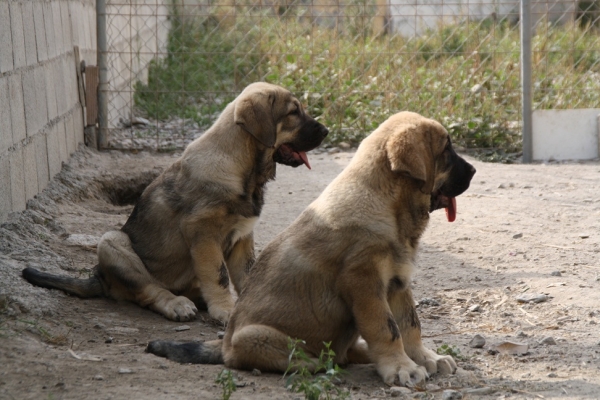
[[41, 120]]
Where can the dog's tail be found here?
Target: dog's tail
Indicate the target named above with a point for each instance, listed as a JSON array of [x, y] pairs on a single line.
[[91, 287], [188, 353]]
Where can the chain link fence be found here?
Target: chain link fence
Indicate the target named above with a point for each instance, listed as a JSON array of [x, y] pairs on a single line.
[[174, 66]]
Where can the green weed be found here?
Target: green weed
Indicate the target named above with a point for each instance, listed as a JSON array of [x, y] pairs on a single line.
[[315, 379], [447, 350], [44, 334], [225, 379]]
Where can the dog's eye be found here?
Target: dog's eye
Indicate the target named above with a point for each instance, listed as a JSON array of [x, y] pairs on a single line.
[[295, 111]]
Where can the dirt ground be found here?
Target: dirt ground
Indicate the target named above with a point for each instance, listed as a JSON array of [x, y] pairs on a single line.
[[520, 229]]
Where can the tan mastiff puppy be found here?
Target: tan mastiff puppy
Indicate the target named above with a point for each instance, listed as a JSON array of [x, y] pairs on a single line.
[[191, 230], [343, 268]]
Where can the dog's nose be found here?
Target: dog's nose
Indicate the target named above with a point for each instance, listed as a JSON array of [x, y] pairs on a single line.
[[324, 131]]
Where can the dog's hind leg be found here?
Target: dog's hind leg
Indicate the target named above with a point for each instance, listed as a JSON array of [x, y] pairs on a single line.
[[126, 278], [261, 347], [403, 307]]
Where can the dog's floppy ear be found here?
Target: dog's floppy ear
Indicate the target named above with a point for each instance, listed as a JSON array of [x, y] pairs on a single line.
[[412, 150], [254, 114]]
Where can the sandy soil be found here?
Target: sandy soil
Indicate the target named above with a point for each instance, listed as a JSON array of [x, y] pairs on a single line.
[[521, 229]]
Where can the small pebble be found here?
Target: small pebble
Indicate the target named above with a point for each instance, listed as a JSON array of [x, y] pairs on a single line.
[[518, 236], [256, 372], [182, 328], [475, 308], [397, 391], [584, 236], [548, 341], [98, 378], [125, 371], [477, 342], [451, 395], [556, 273], [481, 391], [220, 334], [552, 375], [429, 302], [532, 298]]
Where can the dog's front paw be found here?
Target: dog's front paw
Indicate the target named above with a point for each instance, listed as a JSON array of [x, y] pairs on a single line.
[[402, 371], [179, 308], [432, 361]]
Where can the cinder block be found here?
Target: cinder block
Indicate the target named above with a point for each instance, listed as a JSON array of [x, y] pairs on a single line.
[[6, 139], [51, 84], [30, 169], [62, 141], [40, 87], [34, 91], [66, 26], [58, 35], [49, 25], [40, 31], [59, 86], [18, 37], [17, 107], [17, 182], [87, 34], [54, 161], [29, 33], [29, 97], [41, 154], [66, 78], [91, 26], [75, 9], [5, 192], [70, 134], [6, 51]]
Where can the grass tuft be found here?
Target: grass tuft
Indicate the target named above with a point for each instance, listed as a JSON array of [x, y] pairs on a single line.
[[316, 379]]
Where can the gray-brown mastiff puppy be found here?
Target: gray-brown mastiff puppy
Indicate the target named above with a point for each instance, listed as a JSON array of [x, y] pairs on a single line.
[[343, 268], [191, 230]]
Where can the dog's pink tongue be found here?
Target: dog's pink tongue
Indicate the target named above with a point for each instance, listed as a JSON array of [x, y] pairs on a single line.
[[451, 209], [304, 158]]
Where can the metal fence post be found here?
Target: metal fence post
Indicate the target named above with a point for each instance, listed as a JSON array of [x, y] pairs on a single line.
[[526, 79], [102, 45]]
